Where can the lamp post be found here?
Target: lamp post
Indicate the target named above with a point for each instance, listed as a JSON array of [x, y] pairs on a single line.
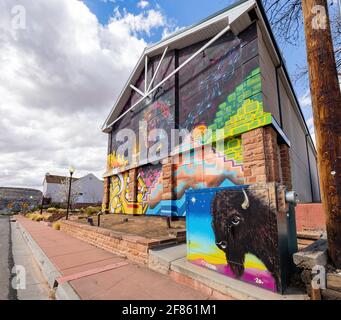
[[71, 170]]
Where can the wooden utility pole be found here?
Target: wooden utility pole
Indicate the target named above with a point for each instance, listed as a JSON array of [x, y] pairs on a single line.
[[326, 102]]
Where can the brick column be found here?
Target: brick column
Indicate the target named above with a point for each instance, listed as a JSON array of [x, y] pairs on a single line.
[[285, 166], [132, 185], [272, 155], [106, 194], [261, 156], [168, 179]]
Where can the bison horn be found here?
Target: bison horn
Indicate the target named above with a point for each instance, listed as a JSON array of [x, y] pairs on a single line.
[[246, 203], [222, 244]]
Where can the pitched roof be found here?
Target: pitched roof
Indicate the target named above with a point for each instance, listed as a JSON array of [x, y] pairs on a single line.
[[56, 179], [238, 19], [205, 29]]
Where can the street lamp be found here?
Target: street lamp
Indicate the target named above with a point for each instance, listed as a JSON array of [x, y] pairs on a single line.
[[71, 170]]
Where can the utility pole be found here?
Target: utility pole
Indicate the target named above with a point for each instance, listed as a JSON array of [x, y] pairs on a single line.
[[326, 103]]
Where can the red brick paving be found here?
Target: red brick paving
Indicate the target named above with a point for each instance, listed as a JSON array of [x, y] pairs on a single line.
[[130, 282]]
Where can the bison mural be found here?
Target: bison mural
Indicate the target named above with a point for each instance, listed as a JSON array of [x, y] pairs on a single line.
[[242, 224]]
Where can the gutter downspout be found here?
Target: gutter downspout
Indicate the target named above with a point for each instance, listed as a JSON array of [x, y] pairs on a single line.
[[279, 94], [309, 167]]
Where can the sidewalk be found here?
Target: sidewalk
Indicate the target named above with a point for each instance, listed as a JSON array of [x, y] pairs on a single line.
[[95, 274]]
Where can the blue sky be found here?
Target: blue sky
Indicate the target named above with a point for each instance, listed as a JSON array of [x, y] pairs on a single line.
[[183, 13], [80, 71]]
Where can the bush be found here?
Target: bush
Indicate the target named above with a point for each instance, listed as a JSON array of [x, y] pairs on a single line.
[[35, 216], [47, 217], [56, 225], [89, 211], [51, 210]]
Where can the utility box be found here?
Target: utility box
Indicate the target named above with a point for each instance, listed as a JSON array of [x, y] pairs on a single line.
[[242, 232]]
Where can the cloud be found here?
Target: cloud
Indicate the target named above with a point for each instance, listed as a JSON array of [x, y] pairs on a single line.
[[170, 29], [59, 79], [310, 124], [143, 22], [305, 99], [142, 4]]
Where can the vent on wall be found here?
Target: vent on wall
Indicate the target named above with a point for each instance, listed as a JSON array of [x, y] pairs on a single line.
[[253, 15]]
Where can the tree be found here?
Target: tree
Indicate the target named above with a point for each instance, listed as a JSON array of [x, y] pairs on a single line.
[[324, 62], [286, 19], [64, 191], [326, 102]]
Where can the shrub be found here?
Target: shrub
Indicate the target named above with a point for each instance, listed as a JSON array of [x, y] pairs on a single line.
[[51, 210], [56, 225], [36, 217], [47, 217], [89, 211]]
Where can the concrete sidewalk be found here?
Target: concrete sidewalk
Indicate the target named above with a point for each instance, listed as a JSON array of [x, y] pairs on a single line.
[[95, 274]]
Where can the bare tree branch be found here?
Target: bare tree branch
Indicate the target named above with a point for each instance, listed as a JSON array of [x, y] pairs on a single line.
[[286, 19]]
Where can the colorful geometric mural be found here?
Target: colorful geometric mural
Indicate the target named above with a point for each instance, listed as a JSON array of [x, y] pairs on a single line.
[[206, 246]]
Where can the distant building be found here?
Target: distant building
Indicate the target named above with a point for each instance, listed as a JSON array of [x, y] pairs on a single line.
[[18, 199], [90, 189], [52, 187]]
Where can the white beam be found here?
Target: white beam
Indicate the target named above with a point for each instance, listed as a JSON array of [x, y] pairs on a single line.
[[157, 69], [137, 90], [204, 47], [145, 73]]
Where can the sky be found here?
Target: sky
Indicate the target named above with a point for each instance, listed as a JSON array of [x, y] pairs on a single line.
[[64, 64]]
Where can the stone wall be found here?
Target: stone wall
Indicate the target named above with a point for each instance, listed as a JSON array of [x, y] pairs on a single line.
[[265, 160], [106, 194], [132, 247]]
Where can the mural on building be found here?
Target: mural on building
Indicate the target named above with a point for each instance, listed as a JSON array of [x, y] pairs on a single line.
[[148, 193], [228, 233], [222, 89], [18, 199]]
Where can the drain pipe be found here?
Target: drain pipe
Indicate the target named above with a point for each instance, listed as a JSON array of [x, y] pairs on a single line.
[[279, 94]]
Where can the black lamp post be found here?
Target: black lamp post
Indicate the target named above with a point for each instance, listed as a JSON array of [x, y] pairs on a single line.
[[71, 170]]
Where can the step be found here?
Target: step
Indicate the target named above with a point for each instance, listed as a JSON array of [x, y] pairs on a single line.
[[229, 286], [172, 260]]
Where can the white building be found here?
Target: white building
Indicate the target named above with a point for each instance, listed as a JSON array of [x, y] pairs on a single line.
[[89, 187]]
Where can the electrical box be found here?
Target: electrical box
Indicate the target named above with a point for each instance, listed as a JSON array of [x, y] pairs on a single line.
[[241, 232]]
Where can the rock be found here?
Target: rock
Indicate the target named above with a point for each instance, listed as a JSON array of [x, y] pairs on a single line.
[[313, 255]]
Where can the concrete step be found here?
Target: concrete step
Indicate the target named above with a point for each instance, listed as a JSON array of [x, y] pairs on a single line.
[[173, 261]]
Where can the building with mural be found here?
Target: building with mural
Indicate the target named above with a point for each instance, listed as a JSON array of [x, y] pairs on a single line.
[[229, 117], [238, 84]]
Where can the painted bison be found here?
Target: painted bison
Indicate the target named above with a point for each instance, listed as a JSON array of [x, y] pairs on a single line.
[[243, 224]]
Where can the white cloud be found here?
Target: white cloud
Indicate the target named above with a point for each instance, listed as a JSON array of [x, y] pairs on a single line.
[[59, 79], [143, 22], [310, 124], [143, 4], [169, 30], [305, 99]]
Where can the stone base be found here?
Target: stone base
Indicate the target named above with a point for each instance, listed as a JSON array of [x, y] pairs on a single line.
[[132, 247], [313, 256]]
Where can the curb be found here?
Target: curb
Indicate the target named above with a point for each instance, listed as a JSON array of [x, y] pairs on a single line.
[[50, 272]]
